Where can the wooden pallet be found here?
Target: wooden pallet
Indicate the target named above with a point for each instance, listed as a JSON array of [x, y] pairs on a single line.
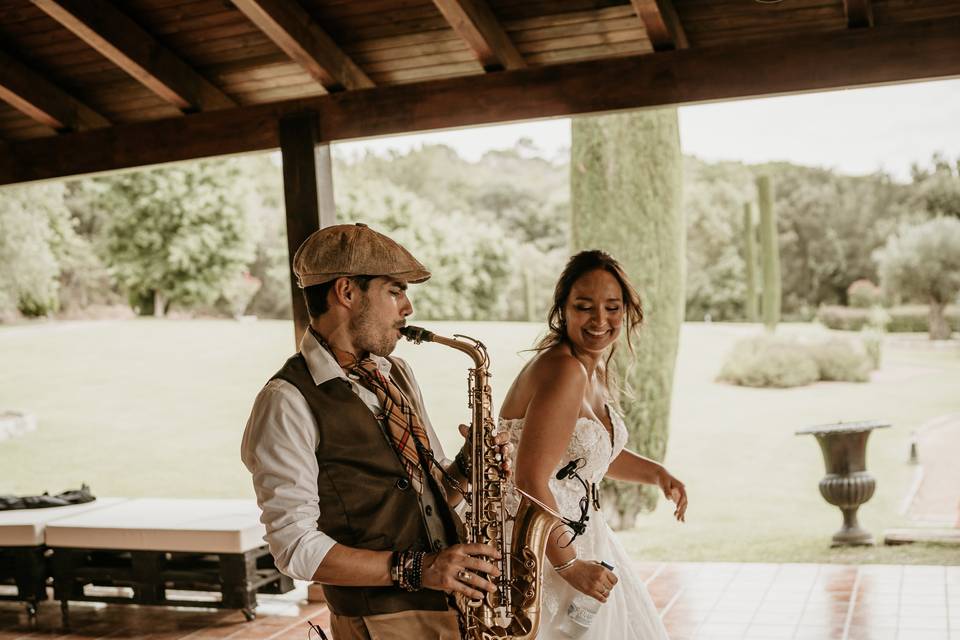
[[213, 580], [25, 569]]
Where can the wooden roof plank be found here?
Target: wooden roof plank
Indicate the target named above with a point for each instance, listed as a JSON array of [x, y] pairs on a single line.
[[822, 61], [130, 47], [41, 100], [663, 25], [859, 13], [295, 32], [474, 21]]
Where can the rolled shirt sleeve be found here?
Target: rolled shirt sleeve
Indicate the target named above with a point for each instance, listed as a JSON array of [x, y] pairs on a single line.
[[278, 448]]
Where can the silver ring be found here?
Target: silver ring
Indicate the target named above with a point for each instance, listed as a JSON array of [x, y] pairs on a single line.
[[464, 575]]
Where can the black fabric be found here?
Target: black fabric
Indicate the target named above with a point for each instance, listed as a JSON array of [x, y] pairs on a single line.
[[73, 496]]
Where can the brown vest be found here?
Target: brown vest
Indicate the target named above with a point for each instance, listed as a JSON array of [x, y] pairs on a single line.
[[366, 500]]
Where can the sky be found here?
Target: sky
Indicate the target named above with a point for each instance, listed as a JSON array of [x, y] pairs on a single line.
[[853, 131]]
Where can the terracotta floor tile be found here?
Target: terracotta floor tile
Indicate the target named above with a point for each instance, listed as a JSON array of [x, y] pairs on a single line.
[[871, 633], [923, 623], [729, 617], [792, 619], [818, 633], [711, 631], [769, 632], [922, 634], [785, 606]]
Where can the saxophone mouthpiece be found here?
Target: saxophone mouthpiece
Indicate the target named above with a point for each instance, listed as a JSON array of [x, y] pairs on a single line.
[[416, 334]]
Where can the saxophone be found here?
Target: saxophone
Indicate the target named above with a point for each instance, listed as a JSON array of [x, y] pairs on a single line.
[[513, 610]]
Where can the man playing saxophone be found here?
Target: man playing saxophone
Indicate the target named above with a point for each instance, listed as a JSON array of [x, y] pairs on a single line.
[[352, 482]]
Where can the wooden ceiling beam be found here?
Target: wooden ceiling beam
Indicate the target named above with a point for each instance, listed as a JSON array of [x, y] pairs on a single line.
[[475, 23], [292, 29], [30, 93], [662, 23], [815, 62], [859, 13], [122, 41]]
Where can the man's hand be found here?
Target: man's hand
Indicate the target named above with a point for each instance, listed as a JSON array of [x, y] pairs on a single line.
[[675, 491], [455, 570], [506, 448]]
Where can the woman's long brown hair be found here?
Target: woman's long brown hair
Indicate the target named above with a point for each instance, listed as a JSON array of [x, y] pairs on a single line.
[[578, 266]]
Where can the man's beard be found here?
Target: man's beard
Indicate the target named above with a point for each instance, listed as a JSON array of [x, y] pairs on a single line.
[[368, 334]]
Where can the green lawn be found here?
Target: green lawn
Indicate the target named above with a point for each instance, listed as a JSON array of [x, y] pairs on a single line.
[[156, 408]]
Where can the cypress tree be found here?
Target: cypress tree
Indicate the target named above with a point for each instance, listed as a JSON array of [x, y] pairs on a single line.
[[626, 189], [770, 251], [750, 256]]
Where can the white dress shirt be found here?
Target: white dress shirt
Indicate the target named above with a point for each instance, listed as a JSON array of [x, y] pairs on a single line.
[[279, 449]]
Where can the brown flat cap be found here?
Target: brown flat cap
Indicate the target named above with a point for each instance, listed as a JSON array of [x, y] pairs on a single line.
[[353, 250]]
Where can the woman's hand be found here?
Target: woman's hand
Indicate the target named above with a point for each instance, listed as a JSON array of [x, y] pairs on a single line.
[[675, 491], [590, 578]]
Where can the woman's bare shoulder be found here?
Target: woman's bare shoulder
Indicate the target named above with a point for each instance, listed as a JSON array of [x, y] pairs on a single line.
[[556, 365]]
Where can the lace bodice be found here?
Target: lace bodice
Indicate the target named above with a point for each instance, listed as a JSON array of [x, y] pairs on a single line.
[[591, 442], [629, 613]]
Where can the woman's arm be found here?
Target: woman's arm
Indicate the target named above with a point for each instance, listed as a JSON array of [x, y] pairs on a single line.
[[551, 417], [632, 467]]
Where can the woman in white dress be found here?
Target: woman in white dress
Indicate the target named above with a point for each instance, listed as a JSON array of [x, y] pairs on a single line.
[[561, 409]]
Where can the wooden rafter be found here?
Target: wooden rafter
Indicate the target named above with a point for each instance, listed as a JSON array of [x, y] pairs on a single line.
[[293, 30], [475, 23], [662, 24], [816, 62], [32, 94], [122, 41], [859, 13]]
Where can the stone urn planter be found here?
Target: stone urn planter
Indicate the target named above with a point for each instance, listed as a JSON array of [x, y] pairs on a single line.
[[847, 484]]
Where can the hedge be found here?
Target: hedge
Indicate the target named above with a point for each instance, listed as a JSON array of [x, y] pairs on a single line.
[[902, 319]]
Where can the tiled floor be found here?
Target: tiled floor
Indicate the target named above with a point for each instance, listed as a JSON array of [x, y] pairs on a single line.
[[806, 602], [697, 601]]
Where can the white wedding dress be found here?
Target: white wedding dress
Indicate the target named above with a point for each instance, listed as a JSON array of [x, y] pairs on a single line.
[[629, 613]]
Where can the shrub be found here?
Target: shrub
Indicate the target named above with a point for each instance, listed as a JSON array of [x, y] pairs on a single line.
[[842, 318], [906, 318], [863, 294], [839, 360], [775, 361], [873, 344], [916, 318], [769, 361]]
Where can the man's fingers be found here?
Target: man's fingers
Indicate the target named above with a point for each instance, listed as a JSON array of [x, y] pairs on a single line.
[[464, 430], [477, 549], [476, 564]]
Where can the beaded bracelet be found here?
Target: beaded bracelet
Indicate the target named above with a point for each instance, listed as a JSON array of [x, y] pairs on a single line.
[[563, 566], [463, 465], [416, 579]]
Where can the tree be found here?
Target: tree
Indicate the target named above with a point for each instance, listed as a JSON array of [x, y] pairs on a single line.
[[175, 235], [28, 262], [922, 263], [471, 261], [713, 197], [770, 254], [626, 188], [750, 257], [937, 190]]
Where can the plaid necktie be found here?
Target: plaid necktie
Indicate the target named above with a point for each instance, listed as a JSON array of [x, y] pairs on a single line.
[[403, 424]]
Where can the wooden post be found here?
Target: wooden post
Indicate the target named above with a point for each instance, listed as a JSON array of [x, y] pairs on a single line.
[[307, 194]]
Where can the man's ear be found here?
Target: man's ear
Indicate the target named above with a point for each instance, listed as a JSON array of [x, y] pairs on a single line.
[[343, 292]]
